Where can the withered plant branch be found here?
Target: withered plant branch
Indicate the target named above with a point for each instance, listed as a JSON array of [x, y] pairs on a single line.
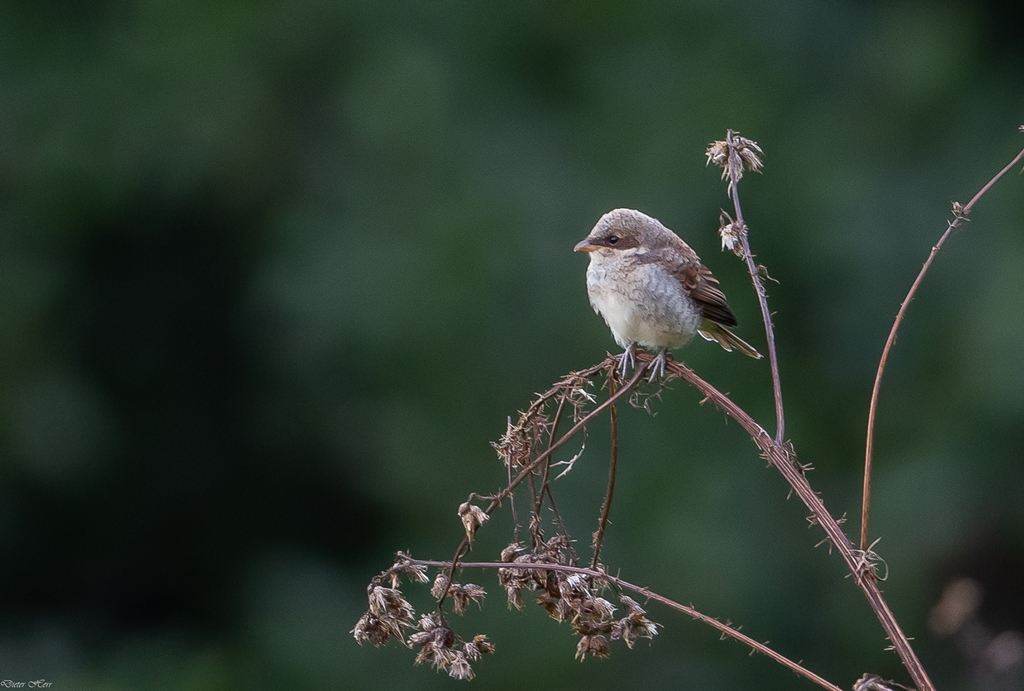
[[609, 363], [960, 214], [554, 510], [545, 484], [769, 329], [546, 468], [778, 455], [512, 502], [545, 472], [606, 507], [610, 401], [739, 155], [725, 629]]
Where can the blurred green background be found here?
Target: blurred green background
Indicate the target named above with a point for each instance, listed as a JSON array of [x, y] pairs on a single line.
[[273, 275]]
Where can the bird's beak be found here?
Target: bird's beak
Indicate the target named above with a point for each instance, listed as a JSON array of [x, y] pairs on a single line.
[[585, 245]]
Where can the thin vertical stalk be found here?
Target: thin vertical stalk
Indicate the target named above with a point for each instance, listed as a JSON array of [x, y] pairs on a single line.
[[960, 215]]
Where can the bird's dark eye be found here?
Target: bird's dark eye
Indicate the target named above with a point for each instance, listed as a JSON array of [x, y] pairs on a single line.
[[612, 239]]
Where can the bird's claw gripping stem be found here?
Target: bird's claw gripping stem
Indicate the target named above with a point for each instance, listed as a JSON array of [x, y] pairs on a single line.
[[627, 360], [658, 366]]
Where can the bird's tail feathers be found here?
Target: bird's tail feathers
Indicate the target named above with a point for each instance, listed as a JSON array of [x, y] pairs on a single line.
[[727, 339]]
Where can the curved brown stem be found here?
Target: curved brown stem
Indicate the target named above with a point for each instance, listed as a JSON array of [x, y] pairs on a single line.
[[960, 215], [606, 507], [725, 629], [780, 457]]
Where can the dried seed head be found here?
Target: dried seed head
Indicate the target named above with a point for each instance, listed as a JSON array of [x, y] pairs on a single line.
[[415, 573], [371, 628], [437, 590], [389, 612], [597, 608], [389, 602], [435, 654], [477, 647], [419, 639], [440, 647], [434, 640], [731, 233], [634, 625], [595, 646], [515, 596], [631, 606], [462, 595], [735, 149], [459, 667], [749, 152], [513, 551], [481, 644], [431, 622], [574, 585], [515, 581], [733, 155], [472, 518], [718, 153], [471, 651]]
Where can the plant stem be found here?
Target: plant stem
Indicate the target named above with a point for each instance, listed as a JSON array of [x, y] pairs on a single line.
[[779, 457], [648, 594], [960, 216]]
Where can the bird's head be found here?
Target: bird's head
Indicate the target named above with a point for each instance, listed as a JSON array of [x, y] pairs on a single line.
[[620, 230]]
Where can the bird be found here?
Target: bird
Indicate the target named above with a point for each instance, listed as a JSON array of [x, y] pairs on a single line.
[[652, 289]]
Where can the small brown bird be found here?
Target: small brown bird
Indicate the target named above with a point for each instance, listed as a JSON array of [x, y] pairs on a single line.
[[652, 289]]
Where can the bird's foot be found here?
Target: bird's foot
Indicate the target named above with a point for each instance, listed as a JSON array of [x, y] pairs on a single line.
[[658, 366], [627, 360]]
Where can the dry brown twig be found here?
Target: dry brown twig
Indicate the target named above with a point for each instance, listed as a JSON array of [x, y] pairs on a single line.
[[732, 156], [724, 628], [960, 215], [606, 505], [548, 566]]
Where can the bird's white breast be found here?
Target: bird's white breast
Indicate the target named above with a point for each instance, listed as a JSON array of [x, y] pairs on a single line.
[[641, 301]]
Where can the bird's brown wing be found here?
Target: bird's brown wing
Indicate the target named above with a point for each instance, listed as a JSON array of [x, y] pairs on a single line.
[[696, 279], [703, 288]]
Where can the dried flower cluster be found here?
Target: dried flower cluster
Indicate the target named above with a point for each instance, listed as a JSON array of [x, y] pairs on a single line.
[[731, 233], [390, 615], [565, 595], [573, 597], [472, 518], [460, 594], [566, 592], [440, 647], [734, 154], [517, 580], [522, 441]]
